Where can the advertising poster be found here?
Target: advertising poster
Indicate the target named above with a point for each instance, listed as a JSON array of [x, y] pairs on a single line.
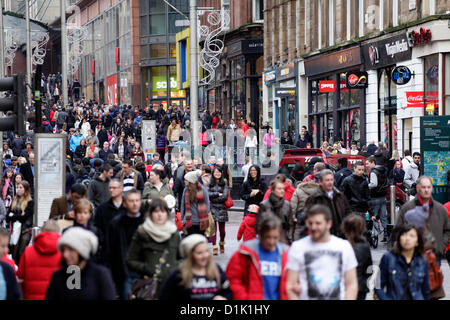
[[148, 137], [111, 89]]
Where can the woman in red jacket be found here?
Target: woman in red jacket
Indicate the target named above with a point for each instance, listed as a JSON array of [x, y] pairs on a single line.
[[288, 188], [257, 270], [39, 261]]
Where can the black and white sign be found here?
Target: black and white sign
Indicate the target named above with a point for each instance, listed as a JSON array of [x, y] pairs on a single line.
[[357, 79], [386, 52], [285, 92], [401, 75]]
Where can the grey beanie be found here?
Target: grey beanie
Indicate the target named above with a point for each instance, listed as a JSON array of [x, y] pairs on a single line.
[[193, 176], [83, 241], [417, 216]]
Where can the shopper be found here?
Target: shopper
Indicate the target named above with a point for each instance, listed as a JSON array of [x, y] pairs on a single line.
[[253, 189]]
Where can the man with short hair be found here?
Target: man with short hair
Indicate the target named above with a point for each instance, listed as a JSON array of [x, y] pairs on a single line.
[[342, 172], [413, 171], [179, 184], [318, 166], [407, 160], [156, 159], [321, 266], [27, 169], [119, 236], [331, 197], [98, 188], [356, 189], [378, 186], [371, 148], [424, 211], [63, 206], [130, 177], [286, 138], [103, 153]]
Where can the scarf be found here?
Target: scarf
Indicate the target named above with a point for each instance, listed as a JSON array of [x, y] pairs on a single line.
[[201, 208], [277, 203], [159, 233]]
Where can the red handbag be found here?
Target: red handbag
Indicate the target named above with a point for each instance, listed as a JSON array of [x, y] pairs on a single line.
[[178, 221], [229, 202]]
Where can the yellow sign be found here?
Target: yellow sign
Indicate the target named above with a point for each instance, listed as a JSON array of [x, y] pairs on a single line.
[[184, 59]]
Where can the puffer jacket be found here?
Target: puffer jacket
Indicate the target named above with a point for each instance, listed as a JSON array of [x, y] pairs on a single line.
[[151, 192], [356, 190], [394, 277], [244, 272], [37, 265], [247, 228], [301, 194], [218, 209]]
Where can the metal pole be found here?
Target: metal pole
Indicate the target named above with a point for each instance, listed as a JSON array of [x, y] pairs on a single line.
[[64, 53], [194, 72], [392, 204], [29, 70], [2, 44]]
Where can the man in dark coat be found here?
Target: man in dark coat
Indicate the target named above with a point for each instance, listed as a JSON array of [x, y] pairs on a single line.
[[17, 145], [119, 235], [371, 148], [356, 189], [332, 198], [27, 169], [342, 173], [102, 135]]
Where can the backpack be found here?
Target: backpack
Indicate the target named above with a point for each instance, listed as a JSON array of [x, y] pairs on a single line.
[[435, 275]]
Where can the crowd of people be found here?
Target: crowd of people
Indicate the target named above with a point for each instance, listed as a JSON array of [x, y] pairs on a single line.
[[117, 228]]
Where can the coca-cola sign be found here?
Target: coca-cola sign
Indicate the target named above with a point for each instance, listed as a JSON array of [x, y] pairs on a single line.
[[414, 99]]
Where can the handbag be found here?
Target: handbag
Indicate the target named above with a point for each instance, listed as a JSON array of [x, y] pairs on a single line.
[[229, 202], [211, 230], [63, 223], [147, 288]]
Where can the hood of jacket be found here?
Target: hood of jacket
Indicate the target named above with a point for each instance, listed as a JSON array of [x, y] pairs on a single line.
[[308, 187], [46, 242]]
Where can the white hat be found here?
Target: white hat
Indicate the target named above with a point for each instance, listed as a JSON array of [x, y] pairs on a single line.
[[190, 242], [193, 176], [83, 241]]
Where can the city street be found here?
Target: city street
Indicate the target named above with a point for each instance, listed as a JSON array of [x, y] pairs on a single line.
[[231, 245]]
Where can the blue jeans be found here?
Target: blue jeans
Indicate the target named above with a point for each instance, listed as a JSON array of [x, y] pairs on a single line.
[[378, 207], [127, 284]]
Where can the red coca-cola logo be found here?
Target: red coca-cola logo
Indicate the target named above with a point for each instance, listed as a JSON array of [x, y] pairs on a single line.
[[415, 99]]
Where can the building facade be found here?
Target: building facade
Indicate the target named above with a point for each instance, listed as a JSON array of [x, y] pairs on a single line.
[[330, 39]]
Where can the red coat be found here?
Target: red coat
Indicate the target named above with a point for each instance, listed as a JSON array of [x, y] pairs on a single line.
[[247, 227], [244, 269], [447, 206], [288, 192], [215, 122], [37, 265]]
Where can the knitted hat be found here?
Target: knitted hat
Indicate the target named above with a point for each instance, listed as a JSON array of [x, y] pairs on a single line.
[[190, 242], [83, 241], [193, 176], [417, 216]]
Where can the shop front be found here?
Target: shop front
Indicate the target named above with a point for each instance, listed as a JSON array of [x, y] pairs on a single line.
[[385, 61], [336, 110]]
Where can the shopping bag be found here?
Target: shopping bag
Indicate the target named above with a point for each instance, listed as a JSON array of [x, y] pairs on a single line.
[[15, 233]]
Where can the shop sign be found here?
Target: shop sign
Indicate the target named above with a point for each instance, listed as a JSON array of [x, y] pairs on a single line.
[[286, 72], [386, 52], [160, 83], [333, 61], [269, 77], [414, 99], [111, 89], [285, 92], [327, 86], [357, 79], [417, 38], [401, 75]]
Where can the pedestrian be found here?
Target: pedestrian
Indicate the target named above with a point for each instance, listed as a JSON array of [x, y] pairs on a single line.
[[92, 151], [331, 197], [378, 186], [403, 270], [119, 235], [371, 148], [205, 177], [9, 289], [353, 228], [198, 277], [137, 152], [39, 261], [80, 151], [412, 173], [407, 159], [130, 177], [218, 193], [317, 167], [178, 177], [105, 151], [321, 266], [98, 189], [288, 188], [277, 205], [195, 205], [247, 229], [269, 139], [342, 173], [62, 207], [435, 217], [8, 188], [77, 246], [356, 189], [303, 191], [155, 243], [251, 143], [397, 174], [156, 188], [22, 211], [254, 188], [83, 212], [257, 271], [120, 148]]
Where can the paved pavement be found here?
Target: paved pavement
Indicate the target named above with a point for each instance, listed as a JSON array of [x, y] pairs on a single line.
[[231, 245]]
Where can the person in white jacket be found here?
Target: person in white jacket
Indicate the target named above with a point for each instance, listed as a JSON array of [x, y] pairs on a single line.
[[85, 127], [412, 173], [251, 143], [407, 160]]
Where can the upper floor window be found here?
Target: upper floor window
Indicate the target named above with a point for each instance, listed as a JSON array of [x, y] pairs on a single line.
[[258, 10]]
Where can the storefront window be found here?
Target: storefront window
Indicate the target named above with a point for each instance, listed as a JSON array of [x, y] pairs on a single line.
[[447, 84], [172, 50], [158, 50], [174, 92], [431, 96], [388, 109], [157, 24], [159, 82]]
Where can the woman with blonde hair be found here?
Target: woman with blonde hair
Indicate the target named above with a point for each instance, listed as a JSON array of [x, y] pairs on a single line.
[[199, 277], [22, 210]]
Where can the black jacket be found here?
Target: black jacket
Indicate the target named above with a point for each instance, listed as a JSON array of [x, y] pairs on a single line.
[[80, 152], [247, 189], [364, 258], [340, 175], [25, 169], [12, 289], [26, 220], [102, 137], [356, 190], [382, 183], [17, 145], [382, 157], [96, 284]]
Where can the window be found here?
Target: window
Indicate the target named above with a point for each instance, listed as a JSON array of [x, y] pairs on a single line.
[[447, 85], [361, 18], [158, 50], [331, 22], [172, 18], [144, 26], [258, 10], [158, 24], [225, 7], [431, 82], [159, 82], [172, 50], [157, 6]]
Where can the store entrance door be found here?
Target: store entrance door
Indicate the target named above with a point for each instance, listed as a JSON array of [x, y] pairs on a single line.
[[288, 116]]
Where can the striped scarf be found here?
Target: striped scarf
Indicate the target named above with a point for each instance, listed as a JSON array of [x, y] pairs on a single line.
[[201, 208]]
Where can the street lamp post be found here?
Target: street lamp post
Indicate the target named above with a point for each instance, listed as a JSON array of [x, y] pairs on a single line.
[[29, 70], [194, 72], [64, 53]]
